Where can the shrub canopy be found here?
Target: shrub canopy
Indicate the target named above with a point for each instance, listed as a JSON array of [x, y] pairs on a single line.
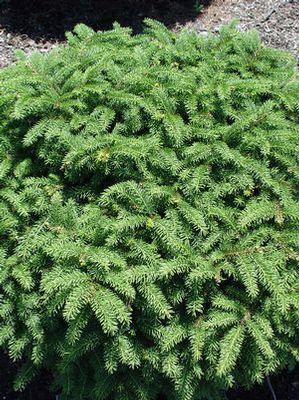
[[149, 213]]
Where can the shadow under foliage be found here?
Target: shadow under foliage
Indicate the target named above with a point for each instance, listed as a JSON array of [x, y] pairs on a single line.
[[286, 386], [49, 19]]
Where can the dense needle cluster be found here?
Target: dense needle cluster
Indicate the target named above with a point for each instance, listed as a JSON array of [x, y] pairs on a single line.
[[149, 213]]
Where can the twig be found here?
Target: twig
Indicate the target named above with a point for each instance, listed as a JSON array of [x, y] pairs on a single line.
[[275, 9], [271, 388], [269, 15]]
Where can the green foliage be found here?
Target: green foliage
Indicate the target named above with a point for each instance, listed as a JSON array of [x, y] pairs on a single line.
[[149, 213], [198, 7]]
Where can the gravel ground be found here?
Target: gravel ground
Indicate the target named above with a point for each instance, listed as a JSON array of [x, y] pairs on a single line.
[[276, 20], [40, 24], [10, 42]]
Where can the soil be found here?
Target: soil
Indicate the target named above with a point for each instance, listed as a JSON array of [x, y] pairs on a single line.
[[276, 20], [40, 24]]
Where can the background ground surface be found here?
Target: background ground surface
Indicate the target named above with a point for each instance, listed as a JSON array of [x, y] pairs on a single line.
[[276, 20], [40, 24]]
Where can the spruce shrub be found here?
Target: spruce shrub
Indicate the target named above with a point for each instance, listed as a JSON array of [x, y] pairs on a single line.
[[149, 213]]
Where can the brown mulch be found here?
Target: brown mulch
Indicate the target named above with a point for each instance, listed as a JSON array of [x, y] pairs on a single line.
[[40, 24], [276, 20]]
